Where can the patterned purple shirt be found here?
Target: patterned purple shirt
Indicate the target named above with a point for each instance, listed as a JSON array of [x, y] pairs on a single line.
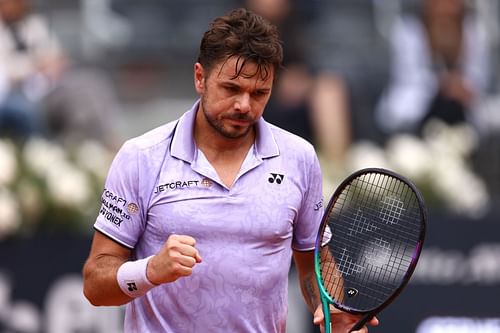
[[160, 184]]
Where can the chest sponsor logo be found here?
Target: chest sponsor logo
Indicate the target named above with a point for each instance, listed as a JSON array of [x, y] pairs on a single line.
[[180, 184], [276, 178], [132, 208], [206, 182]]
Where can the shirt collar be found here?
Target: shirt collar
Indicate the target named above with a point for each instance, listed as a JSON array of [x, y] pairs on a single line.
[[184, 147]]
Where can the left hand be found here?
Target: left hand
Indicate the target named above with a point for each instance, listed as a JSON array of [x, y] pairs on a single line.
[[342, 321]]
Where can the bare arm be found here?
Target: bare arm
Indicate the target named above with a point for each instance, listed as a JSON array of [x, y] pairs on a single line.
[[99, 272], [175, 259], [304, 262]]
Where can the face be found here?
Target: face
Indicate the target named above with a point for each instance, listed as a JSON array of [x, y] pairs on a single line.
[[231, 106], [13, 10], [444, 8]]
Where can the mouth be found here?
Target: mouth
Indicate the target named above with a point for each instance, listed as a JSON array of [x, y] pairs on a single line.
[[240, 121]]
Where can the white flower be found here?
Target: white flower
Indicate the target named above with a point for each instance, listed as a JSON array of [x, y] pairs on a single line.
[[463, 191], [94, 157], [30, 200], [463, 139], [409, 156], [366, 154], [10, 218], [439, 160], [458, 140], [8, 162], [42, 156], [68, 185]]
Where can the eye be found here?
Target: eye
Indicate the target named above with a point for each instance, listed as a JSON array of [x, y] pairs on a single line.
[[260, 93], [232, 89]]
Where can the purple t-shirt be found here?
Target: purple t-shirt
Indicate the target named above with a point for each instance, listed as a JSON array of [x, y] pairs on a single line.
[[160, 184]]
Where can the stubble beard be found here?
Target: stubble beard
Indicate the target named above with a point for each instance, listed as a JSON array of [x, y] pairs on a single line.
[[218, 125]]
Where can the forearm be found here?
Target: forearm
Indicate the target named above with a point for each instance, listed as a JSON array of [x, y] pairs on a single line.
[[304, 263], [307, 277], [100, 283], [310, 292]]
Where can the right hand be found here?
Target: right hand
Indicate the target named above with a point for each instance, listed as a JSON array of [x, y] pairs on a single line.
[[341, 321], [176, 259]]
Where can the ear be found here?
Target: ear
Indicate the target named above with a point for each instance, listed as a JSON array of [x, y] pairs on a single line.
[[199, 78]]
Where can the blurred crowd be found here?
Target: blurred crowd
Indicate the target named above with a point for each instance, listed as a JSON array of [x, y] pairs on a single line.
[[357, 73], [43, 92]]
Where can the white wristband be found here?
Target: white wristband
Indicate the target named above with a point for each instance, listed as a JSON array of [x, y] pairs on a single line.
[[132, 278]]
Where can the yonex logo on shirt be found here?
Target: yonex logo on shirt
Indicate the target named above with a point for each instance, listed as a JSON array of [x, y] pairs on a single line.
[[276, 177]]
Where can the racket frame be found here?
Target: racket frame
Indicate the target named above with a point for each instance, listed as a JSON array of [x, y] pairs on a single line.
[[325, 298]]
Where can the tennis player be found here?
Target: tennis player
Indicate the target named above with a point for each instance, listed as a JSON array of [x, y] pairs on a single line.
[[201, 217]]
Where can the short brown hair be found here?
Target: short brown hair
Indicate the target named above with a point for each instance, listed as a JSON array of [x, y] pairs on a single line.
[[245, 35]]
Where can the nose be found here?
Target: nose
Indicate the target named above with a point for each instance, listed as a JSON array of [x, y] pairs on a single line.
[[243, 103]]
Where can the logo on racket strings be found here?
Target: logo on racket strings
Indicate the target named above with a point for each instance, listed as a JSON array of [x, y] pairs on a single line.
[[352, 292]]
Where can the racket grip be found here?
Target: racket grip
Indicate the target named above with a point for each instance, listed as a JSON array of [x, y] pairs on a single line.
[[327, 319], [359, 325]]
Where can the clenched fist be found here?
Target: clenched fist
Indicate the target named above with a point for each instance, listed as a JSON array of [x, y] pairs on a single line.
[[176, 259]]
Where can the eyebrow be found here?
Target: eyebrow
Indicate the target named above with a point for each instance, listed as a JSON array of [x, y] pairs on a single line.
[[263, 90], [232, 84]]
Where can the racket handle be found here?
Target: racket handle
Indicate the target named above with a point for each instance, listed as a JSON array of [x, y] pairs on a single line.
[[327, 320], [359, 325]]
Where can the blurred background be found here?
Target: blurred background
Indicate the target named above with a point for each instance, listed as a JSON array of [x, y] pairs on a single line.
[[410, 85]]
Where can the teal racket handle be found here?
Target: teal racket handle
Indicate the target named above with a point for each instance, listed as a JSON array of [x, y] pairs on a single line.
[[326, 313]]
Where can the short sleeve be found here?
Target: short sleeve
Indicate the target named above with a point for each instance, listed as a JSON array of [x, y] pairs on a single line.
[[122, 214], [310, 214]]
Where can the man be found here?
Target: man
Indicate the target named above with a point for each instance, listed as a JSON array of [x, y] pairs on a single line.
[[219, 184], [42, 92], [30, 65]]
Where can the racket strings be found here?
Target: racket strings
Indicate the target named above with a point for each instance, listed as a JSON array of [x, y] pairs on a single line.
[[390, 213], [375, 224], [333, 281]]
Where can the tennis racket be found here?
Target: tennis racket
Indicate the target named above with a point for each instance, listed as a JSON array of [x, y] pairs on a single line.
[[368, 243]]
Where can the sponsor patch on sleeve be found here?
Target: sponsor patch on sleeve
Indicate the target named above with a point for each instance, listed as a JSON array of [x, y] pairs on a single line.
[[116, 209]]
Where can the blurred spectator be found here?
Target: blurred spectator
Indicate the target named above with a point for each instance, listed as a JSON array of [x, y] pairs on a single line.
[[43, 92], [289, 106], [331, 116], [31, 62], [440, 67], [347, 51], [83, 106]]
